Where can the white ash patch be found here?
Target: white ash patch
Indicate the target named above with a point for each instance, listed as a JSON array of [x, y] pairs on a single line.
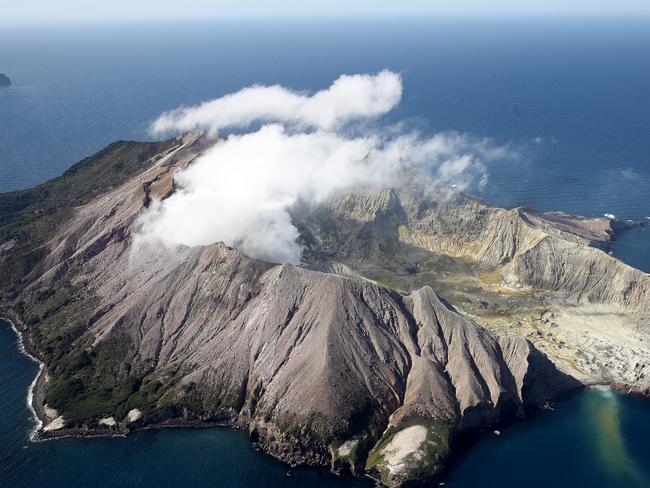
[[347, 447], [50, 412], [405, 444], [108, 421], [56, 424], [134, 415]]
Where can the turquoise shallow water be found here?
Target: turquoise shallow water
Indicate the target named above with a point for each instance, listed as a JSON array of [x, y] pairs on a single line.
[[597, 439]]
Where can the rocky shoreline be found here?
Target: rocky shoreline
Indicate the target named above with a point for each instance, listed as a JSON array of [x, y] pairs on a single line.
[[36, 395]]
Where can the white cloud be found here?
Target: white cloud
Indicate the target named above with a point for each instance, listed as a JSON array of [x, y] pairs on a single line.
[[241, 190], [348, 98]]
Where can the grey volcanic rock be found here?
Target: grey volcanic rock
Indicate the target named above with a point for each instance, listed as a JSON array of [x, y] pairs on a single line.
[[321, 364], [545, 276], [4, 80], [306, 359], [551, 251]]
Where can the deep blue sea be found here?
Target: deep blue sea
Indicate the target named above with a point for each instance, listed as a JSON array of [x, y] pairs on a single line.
[[571, 95]]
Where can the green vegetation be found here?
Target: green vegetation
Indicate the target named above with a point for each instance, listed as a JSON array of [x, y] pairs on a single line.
[[312, 427], [190, 399], [84, 395], [87, 384], [187, 397], [388, 282], [28, 218], [423, 464], [83, 385], [56, 318]]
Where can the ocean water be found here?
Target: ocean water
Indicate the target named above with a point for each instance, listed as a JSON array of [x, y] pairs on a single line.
[[570, 95], [597, 438]]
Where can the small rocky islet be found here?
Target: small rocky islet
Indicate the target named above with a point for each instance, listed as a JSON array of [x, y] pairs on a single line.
[[4, 80], [413, 321]]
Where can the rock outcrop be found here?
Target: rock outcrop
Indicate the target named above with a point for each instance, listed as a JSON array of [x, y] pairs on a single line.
[[550, 251], [548, 277], [4, 80]]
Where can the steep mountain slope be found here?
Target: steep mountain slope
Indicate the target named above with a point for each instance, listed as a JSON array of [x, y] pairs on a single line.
[[549, 251], [544, 276], [320, 363]]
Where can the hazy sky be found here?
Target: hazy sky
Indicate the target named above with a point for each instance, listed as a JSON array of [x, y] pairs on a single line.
[[57, 11]]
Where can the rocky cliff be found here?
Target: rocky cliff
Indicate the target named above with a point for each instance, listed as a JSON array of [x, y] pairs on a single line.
[[545, 276], [352, 360], [549, 251]]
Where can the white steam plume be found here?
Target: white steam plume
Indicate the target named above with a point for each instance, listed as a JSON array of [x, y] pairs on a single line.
[[242, 189], [349, 98]]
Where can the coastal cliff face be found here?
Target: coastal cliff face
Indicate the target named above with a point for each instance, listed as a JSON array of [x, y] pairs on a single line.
[[352, 360]]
